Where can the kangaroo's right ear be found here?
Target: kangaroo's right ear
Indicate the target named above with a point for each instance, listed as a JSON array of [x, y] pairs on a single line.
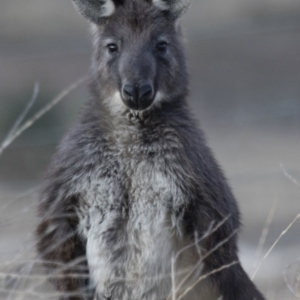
[[95, 10]]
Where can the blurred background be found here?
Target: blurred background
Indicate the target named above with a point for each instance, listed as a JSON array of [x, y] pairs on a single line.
[[244, 59]]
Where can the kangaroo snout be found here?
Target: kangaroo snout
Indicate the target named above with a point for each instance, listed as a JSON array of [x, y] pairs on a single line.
[[137, 96]]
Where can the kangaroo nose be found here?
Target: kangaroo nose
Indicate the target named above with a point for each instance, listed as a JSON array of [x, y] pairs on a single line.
[[130, 91], [145, 91], [137, 97]]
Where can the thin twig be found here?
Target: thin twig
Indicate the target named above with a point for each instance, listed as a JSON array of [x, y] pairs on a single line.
[[27, 108], [206, 234], [289, 176], [27, 193], [54, 295], [205, 276], [265, 232], [294, 290], [18, 131], [275, 243], [173, 278], [202, 259], [297, 294], [38, 276]]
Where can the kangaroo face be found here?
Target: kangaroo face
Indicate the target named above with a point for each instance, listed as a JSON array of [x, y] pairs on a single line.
[[138, 58]]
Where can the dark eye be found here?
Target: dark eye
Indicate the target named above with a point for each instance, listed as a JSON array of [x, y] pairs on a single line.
[[161, 47], [112, 48]]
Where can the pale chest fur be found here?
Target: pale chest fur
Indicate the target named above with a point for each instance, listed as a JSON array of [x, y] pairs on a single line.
[[133, 226]]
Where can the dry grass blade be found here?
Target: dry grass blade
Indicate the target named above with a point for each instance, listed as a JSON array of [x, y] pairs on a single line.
[[46, 296], [173, 278], [295, 289], [207, 233], [70, 275], [18, 130], [205, 276], [289, 176], [25, 194], [275, 243], [27, 108], [176, 289], [265, 232], [203, 258]]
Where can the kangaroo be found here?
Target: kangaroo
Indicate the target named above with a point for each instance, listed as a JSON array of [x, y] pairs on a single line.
[[134, 206]]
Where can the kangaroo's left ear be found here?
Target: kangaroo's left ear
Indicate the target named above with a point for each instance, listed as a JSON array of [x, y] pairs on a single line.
[[175, 8], [95, 10]]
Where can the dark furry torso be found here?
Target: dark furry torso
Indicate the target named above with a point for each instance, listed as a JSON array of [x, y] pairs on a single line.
[[134, 206], [137, 182]]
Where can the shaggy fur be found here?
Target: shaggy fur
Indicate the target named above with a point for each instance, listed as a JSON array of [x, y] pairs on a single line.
[[128, 190]]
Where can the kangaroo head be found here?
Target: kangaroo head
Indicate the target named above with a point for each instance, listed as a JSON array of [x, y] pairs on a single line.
[[139, 58]]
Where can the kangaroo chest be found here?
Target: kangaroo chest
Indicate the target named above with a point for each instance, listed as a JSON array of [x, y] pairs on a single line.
[[131, 230], [133, 227]]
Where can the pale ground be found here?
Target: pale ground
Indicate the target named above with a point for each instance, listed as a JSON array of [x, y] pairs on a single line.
[[245, 90]]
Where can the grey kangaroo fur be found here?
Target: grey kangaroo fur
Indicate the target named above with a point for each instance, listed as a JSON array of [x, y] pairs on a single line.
[[133, 186]]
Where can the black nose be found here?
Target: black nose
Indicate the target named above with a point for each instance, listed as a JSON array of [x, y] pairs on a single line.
[[137, 96]]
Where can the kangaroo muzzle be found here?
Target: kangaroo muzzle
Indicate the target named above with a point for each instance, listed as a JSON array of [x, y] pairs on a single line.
[[138, 96]]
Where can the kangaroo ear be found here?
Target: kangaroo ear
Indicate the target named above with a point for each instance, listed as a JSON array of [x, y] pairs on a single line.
[[95, 10], [175, 8]]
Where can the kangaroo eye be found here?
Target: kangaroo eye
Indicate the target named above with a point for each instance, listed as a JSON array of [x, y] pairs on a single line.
[[161, 47], [112, 48]]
